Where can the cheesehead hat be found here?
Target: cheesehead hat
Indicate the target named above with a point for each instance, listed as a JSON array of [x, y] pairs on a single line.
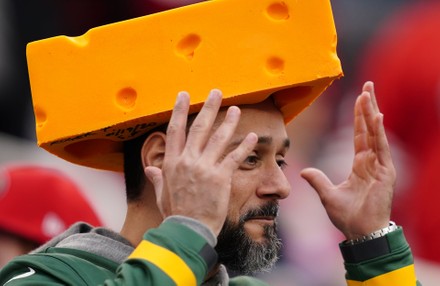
[[92, 92]]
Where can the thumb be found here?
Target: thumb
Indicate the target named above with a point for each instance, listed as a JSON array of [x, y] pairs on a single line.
[[154, 175], [318, 180]]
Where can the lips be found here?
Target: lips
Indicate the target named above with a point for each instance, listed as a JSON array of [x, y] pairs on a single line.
[[263, 221], [267, 213], [271, 218]]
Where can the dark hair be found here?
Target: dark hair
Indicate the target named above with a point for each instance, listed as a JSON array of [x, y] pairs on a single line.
[[133, 169]]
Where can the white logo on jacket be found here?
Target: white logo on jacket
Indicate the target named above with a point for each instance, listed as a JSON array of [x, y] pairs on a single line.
[[24, 275]]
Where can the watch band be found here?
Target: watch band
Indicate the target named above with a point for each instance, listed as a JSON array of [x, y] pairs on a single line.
[[376, 234]]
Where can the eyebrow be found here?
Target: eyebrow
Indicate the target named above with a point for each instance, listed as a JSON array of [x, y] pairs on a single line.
[[266, 140]]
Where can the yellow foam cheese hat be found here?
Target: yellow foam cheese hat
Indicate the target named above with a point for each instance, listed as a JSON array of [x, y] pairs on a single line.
[[90, 93]]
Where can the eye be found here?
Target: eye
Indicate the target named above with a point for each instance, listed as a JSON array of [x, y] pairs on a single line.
[[282, 164], [250, 162]]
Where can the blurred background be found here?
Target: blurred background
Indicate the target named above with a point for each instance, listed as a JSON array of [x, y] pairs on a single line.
[[395, 43]]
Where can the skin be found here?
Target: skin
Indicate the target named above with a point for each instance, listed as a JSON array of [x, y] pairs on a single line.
[[12, 246], [362, 203], [210, 172], [259, 178], [223, 150]]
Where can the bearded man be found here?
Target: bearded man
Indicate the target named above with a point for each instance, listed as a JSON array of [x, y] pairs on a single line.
[[217, 183], [203, 188]]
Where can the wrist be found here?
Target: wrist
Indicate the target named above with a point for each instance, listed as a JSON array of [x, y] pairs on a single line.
[[392, 242], [373, 235]]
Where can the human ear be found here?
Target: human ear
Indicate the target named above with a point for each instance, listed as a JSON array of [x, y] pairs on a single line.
[[153, 150]]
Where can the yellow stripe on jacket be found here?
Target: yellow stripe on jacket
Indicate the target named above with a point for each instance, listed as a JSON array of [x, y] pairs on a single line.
[[404, 276], [169, 262]]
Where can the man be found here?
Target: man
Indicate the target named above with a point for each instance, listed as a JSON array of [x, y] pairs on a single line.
[[203, 187], [36, 204], [221, 180]]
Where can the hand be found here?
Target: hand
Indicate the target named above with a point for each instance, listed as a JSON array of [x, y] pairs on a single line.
[[362, 203], [195, 179]]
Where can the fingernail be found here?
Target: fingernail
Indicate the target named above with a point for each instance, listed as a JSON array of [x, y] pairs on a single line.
[[234, 110], [215, 93], [252, 138], [180, 96]]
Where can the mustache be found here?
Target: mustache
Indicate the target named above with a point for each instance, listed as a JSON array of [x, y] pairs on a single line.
[[269, 209]]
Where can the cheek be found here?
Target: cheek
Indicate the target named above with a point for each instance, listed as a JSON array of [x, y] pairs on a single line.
[[243, 192]]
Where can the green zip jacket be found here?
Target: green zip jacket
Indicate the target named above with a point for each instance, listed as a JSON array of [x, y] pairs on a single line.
[[175, 254]]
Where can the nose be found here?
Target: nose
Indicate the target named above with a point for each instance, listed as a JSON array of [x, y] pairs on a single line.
[[274, 184]]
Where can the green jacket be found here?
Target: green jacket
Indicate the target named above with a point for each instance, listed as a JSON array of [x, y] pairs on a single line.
[[174, 254]]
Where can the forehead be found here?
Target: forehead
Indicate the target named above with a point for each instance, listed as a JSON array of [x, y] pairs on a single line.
[[262, 118]]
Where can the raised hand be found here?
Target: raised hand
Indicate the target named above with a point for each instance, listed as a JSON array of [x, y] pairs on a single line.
[[195, 178], [362, 203]]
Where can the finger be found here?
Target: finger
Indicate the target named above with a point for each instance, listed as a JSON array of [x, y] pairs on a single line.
[[201, 127], [360, 128], [369, 117], [318, 180], [154, 175], [382, 146], [369, 87], [218, 142], [176, 130], [233, 160]]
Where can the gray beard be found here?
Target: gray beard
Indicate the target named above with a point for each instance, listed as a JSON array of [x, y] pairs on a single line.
[[240, 254]]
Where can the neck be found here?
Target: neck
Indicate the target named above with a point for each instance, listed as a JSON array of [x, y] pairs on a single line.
[[141, 216]]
